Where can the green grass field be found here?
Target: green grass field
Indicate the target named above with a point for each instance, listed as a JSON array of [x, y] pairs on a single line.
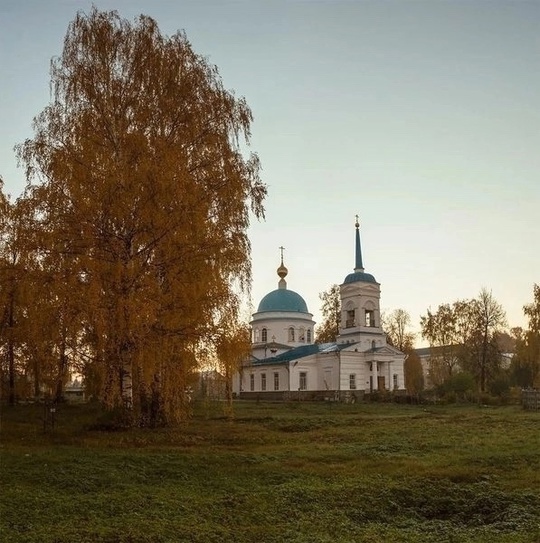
[[301, 472]]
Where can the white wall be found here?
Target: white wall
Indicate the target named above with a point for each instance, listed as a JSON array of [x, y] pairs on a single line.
[[278, 323]]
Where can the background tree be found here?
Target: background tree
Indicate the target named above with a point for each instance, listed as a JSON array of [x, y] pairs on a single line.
[[328, 330], [140, 181], [526, 361], [7, 365], [414, 374], [34, 317], [532, 310], [506, 342], [396, 325], [233, 347], [520, 374], [13, 293], [488, 319], [54, 322], [441, 331], [464, 336]]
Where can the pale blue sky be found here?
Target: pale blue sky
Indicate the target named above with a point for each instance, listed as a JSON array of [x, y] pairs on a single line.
[[422, 117]]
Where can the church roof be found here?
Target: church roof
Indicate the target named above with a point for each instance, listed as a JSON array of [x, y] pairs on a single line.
[[301, 352], [359, 277], [283, 299], [315, 348]]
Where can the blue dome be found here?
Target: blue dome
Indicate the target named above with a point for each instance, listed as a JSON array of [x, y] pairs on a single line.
[[359, 277], [283, 300]]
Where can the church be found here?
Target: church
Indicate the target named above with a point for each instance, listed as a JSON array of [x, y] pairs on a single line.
[[286, 363]]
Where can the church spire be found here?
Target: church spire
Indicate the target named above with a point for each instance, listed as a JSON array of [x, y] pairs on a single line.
[[282, 271], [358, 266]]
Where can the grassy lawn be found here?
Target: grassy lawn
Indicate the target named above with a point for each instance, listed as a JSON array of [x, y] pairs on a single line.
[[302, 472]]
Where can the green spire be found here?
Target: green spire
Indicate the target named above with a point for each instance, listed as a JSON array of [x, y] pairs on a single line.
[[358, 266]]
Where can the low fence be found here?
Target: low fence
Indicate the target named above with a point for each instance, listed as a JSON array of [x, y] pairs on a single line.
[[346, 396], [530, 399]]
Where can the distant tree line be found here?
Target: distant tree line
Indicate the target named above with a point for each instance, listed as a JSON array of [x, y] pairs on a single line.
[[469, 340], [127, 256]]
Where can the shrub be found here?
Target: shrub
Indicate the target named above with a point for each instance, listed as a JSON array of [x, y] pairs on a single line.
[[459, 386], [113, 420]]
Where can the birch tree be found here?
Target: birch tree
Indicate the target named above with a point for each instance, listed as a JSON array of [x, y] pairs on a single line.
[[138, 170], [464, 335], [440, 329], [328, 330], [13, 276], [7, 363], [396, 326], [488, 320]]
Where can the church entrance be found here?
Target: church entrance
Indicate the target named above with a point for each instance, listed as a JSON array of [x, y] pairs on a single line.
[[380, 382]]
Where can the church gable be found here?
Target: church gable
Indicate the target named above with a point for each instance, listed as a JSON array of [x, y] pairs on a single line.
[[388, 350]]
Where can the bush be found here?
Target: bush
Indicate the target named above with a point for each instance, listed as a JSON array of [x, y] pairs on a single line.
[[114, 420], [459, 386], [500, 386]]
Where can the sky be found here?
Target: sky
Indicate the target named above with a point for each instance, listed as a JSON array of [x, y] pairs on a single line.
[[422, 117]]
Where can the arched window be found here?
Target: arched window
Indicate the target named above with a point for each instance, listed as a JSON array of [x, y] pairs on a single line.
[[291, 334], [369, 309], [370, 318], [309, 335], [302, 335], [264, 335], [256, 335], [350, 315]]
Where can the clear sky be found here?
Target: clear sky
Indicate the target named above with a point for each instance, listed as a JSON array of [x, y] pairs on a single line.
[[422, 117]]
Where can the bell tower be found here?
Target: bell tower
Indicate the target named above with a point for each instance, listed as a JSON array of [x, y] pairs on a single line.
[[360, 305]]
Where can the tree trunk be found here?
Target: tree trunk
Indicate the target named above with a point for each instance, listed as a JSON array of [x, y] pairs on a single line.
[[37, 376], [126, 385], [61, 373], [483, 362], [11, 354], [11, 371], [228, 392]]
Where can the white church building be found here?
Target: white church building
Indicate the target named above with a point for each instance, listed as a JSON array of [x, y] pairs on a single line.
[[287, 364]]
